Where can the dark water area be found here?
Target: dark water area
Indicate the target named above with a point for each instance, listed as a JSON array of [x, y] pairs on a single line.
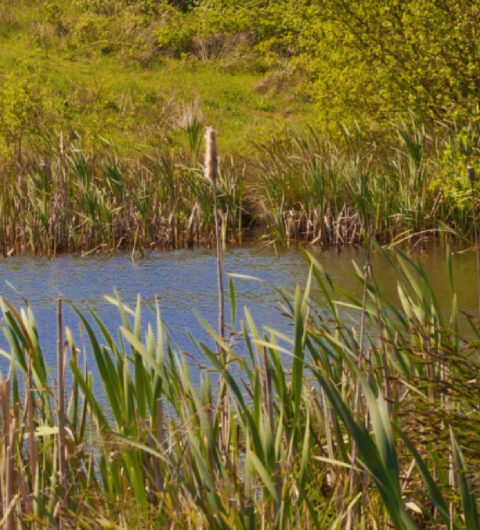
[[184, 281]]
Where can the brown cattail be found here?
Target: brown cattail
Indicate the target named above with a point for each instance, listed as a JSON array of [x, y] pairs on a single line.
[[211, 161], [471, 174], [211, 167]]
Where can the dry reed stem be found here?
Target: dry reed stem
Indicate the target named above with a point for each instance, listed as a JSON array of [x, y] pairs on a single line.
[[32, 443], [471, 177], [9, 512], [211, 169], [5, 400], [61, 404], [352, 510]]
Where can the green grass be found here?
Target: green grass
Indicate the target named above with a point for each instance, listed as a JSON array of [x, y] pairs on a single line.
[[131, 105]]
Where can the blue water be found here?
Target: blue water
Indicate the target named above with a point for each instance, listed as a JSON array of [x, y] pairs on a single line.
[[184, 281]]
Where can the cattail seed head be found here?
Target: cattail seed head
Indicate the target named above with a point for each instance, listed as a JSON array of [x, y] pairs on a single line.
[[471, 174], [211, 160]]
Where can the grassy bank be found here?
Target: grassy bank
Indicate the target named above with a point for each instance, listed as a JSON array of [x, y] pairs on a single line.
[[368, 422]]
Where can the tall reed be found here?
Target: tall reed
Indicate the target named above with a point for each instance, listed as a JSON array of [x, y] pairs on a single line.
[[297, 186], [211, 170], [471, 178], [152, 452], [61, 408], [67, 200]]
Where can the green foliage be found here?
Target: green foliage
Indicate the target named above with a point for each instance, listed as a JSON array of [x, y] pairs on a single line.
[[378, 59], [176, 34], [368, 62], [22, 108], [461, 148]]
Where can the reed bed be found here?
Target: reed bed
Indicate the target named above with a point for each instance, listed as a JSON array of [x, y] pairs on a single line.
[[64, 200], [166, 449], [410, 187]]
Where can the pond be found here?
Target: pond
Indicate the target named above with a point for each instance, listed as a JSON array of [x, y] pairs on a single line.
[[184, 281]]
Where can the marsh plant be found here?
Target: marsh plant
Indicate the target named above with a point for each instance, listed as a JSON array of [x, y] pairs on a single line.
[[165, 448], [296, 186], [70, 201]]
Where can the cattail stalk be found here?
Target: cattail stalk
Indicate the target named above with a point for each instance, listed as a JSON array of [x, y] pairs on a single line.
[[61, 402], [471, 177], [211, 170], [9, 515], [32, 443], [8, 441]]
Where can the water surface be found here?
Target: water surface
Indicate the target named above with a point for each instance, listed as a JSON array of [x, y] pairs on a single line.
[[184, 281]]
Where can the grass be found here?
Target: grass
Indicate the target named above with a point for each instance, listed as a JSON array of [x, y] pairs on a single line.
[[156, 453], [130, 105], [329, 194]]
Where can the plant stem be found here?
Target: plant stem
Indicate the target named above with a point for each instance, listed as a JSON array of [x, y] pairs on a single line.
[[221, 297], [61, 404], [211, 171], [477, 248]]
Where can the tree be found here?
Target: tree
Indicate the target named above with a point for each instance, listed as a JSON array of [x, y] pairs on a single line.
[[21, 110], [380, 58]]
